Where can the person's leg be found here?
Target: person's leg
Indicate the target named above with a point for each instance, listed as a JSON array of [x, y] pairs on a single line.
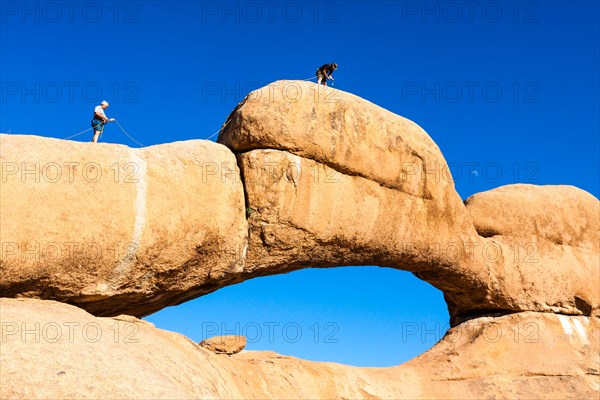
[[96, 126], [320, 78]]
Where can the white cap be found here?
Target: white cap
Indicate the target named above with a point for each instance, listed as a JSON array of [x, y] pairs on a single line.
[[104, 103]]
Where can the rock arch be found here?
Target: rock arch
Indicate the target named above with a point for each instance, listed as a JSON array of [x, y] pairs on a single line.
[[319, 179]]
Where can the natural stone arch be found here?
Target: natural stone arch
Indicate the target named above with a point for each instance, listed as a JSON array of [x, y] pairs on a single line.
[[325, 179], [335, 180], [186, 216]]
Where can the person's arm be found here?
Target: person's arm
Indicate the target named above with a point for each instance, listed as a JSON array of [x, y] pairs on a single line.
[[100, 116]]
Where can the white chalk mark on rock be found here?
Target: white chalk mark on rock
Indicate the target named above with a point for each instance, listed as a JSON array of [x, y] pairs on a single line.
[[580, 330], [564, 321], [141, 186]]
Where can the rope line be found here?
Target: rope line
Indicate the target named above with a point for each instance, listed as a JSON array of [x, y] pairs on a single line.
[[118, 124], [77, 134], [129, 136], [314, 77], [141, 144], [219, 131], [132, 138]]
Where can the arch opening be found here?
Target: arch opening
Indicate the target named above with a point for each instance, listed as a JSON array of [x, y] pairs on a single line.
[[362, 316]]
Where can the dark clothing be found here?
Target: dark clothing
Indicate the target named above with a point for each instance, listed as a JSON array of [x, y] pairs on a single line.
[[97, 124], [325, 70]]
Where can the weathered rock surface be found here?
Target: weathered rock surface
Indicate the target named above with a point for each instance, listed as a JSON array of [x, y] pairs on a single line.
[[328, 179], [332, 179], [118, 230], [560, 214], [325, 179], [341, 130], [303, 213], [351, 184], [230, 344], [548, 232], [523, 355]]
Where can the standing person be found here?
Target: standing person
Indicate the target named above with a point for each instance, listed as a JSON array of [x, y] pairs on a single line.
[[99, 119], [324, 72]]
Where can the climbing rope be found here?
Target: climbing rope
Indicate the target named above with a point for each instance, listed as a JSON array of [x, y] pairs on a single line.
[[102, 130], [133, 139], [314, 77], [128, 135], [219, 131], [77, 134], [227, 122]]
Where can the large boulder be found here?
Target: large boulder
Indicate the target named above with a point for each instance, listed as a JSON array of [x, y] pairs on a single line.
[[343, 131], [546, 240], [57, 351], [332, 179], [560, 214], [115, 229]]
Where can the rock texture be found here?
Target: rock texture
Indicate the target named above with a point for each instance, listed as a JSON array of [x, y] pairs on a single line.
[[548, 232], [560, 214], [524, 355], [114, 229], [349, 184], [332, 179], [325, 179], [231, 344], [341, 130], [303, 213]]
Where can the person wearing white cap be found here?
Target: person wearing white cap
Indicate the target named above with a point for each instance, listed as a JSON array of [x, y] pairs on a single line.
[[99, 119]]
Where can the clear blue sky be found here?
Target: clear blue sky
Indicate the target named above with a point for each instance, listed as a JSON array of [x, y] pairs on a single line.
[[507, 88]]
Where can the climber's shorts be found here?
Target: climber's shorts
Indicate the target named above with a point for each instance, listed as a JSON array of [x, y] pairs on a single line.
[[97, 124], [320, 75]]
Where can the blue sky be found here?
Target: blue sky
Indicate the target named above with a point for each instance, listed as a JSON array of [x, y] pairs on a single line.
[[509, 89]]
